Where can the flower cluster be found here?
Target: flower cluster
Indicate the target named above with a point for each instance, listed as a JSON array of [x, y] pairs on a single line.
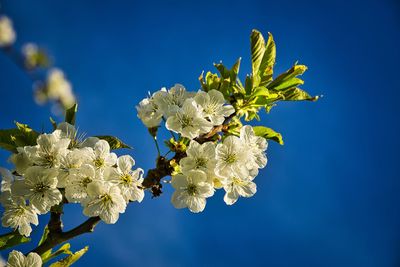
[[231, 163], [66, 168]]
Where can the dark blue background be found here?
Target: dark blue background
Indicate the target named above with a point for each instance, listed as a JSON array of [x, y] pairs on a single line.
[[329, 197]]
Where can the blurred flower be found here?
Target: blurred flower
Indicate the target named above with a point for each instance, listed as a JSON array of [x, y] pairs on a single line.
[[7, 34], [34, 56], [57, 88]]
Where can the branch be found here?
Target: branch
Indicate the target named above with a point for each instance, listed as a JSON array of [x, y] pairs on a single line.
[[163, 168], [56, 238]]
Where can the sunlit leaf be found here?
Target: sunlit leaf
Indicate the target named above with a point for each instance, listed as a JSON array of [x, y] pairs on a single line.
[[268, 61], [69, 260], [257, 45], [268, 133]]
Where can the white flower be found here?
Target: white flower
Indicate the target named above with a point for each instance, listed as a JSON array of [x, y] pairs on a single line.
[[235, 187], [39, 187], [149, 112], [188, 121], [57, 88], [21, 160], [101, 156], [232, 158], [19, 216], [6, 180], [256, 145], [126, 179], [170, 101], [191, 191], [49, 149], [212, 103], [105, 200], [76, 189], [200, 157], [17, 259], [72, 161], [7, 34]]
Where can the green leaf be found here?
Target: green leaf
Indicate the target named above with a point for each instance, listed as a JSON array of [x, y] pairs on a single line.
[[297, 94], [69, 260], [224, 71], [257, 45], [211, 81], [6, 140], [268, 133], [70, 114], [113, 141], [12, 239], [64, 249], [294, 71], [235, 71], [268, 61], [288, 84], [10, 139]]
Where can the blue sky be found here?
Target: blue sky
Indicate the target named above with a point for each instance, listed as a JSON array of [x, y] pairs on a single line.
[[328, 197]]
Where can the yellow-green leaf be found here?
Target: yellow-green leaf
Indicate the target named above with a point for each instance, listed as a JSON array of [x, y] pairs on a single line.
[[294, 71], [268, 61], [257, 45], [268, 133], [69, 260]]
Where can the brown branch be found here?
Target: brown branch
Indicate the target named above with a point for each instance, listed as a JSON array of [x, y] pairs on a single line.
[[163, 168], [56, 238]]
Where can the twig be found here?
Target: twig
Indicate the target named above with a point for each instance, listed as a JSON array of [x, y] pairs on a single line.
[[56, 238]]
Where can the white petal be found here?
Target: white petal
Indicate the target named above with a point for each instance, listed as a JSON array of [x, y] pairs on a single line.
[[179, 181], [178, 199], [196, 204]]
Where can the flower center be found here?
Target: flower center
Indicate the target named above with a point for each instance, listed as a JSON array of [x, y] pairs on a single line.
[[191, 189], [99, 162], [50, 159], [41, 188], [19, 211], [201, 162], [106, 200], [126, 179], [230, 158], [86, 181], [186, 121]]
